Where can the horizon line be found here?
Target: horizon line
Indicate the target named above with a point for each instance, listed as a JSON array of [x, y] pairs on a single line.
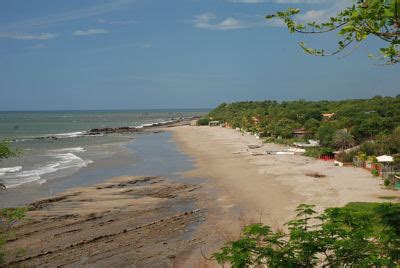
[[97, 110]]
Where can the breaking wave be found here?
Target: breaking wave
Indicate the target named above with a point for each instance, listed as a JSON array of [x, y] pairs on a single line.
[[62, 159]]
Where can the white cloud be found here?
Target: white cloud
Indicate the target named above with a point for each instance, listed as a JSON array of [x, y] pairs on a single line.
[[210, 21], [89, 32], [313, 15], [117, 22], [147, 46], [76, 14], [123, 22], [39, 46], [28, 36], [320, 15], [101, 21], [205, 21]]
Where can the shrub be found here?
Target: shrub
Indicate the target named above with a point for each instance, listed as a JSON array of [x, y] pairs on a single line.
[[372, 148], [312, 152], [375, 172], [8, 217], [6, 151], [386, 182], [203, 121], [358, 235], [326, 151], [347, 157], [317, 152]]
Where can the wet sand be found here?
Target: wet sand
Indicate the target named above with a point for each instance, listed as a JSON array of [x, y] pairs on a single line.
[[129, 221]]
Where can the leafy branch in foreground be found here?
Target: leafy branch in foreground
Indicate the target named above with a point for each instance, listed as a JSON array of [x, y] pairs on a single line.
[[358, 235], [380, 18]]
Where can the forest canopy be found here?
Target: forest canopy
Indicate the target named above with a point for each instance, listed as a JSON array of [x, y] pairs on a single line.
[[335, 123]]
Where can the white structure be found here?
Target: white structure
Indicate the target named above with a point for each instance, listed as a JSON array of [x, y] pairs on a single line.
[[311, 143], [385, 159]]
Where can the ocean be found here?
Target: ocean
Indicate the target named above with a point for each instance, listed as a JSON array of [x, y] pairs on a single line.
[[53, 145]]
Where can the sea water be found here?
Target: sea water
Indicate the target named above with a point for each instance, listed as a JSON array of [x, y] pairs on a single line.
[[53, 144]]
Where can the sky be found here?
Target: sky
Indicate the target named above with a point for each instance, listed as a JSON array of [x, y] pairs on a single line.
[[155, 54]]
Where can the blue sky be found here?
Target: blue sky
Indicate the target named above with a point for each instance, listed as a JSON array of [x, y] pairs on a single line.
[[135, 54]]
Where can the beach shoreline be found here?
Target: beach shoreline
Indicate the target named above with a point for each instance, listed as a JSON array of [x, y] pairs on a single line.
[[215, 185]]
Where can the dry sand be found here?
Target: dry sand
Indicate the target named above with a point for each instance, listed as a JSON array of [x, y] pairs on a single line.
[[269, 187]]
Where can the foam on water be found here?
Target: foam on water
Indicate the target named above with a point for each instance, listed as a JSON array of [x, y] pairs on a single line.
[[71, 150], [9, 170], [68, 135], [64, 159]]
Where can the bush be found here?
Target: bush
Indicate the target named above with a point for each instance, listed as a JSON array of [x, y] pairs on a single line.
[[358, 235], [6, 151], [203, 121], [8, 217], [347, 157], [375, 172], [313, 152], [326, 151], [318, 152], [386, 182], [372, 148]]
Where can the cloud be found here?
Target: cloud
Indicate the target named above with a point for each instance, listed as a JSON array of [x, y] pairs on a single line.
[[320, 15], [117, 22], [205, 21], [210, 21], [28, 36], [89, 32], [39, 46], [71, 15], [147, 46]]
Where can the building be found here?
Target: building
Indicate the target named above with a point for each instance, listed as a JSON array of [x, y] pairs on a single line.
[[300, 133], [213, 123], [328, 116]]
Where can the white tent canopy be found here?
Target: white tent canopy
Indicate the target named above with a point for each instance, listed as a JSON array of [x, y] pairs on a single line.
[[385, 158]]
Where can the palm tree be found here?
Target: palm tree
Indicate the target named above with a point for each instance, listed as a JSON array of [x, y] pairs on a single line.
[[343, 139]]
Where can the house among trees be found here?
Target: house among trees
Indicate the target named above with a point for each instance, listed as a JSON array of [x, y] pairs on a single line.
[[328, 116], [300, 133]]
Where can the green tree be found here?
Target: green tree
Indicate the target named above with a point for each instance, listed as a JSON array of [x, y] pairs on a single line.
[[282, 127], [312, 125], [326, 133], [354, 24], [392, 142], [343, 139], [352, 236]]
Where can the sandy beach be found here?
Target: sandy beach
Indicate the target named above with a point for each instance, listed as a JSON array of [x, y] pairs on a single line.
[[172, 221], [269, 187]]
